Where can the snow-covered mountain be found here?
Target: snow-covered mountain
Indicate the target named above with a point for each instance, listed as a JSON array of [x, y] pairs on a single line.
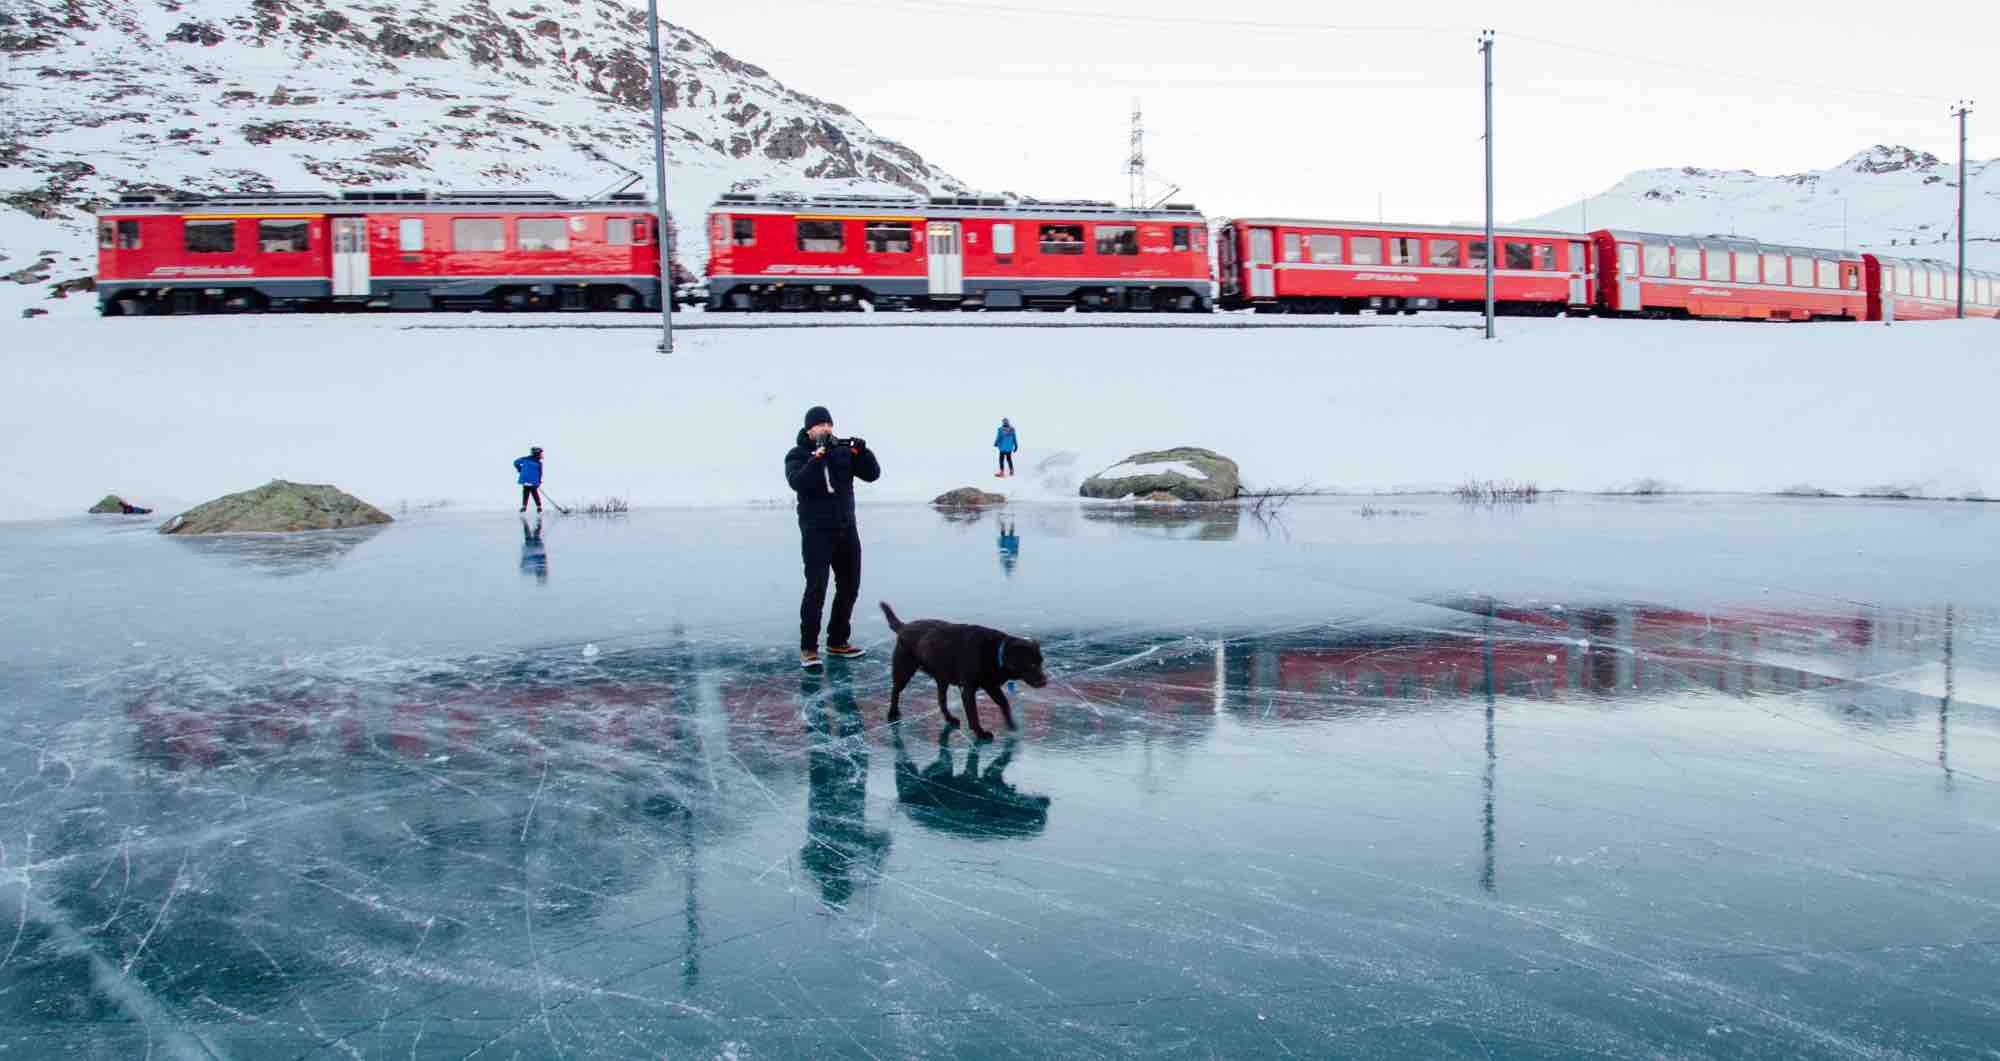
[[1895, 200], [110, 96]]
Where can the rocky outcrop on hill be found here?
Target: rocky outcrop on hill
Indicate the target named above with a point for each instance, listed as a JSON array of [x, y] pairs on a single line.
[[113, 505], [1186, 473], [278, 507]]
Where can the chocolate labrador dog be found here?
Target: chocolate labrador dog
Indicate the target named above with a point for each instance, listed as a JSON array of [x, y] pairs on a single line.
[[975, 658]]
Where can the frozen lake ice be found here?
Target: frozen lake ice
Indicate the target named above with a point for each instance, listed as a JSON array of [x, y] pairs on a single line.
[[1692, 776]]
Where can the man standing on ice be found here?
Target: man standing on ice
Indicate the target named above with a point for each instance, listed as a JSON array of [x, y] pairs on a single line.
[[1006, 442], [530, 470], [821, 470]]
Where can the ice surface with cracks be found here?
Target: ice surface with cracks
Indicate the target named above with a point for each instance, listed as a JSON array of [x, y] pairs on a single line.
[[1591, 777]]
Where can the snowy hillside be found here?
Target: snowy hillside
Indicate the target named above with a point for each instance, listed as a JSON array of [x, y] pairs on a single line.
[[109, 96], [1889, 197]]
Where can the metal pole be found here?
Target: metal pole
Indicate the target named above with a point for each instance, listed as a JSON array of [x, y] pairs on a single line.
[[660, 228], [1486, 50], [1961, 109]]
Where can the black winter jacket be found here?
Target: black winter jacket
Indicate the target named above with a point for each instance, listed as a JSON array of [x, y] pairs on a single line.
[[825, 486]]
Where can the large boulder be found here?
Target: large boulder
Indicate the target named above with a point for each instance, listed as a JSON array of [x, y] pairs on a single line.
[[1188, 473], [968, 497], [277, 507], [113, 505]]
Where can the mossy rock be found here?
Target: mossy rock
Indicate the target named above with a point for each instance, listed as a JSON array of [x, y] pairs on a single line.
[[968, 497], [1187, 473], [113, 505], [278, 507]]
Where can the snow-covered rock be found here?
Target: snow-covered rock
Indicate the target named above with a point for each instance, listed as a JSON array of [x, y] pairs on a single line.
[[1889, 200], [111, 96]]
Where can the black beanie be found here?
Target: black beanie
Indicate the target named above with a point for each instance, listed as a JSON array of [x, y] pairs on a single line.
[[817, 415]]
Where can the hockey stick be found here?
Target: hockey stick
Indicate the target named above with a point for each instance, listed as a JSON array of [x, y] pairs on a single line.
[[553, 501]]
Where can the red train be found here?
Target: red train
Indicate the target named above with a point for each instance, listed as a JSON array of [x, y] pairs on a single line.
[[837, 252], [1347, 266], [383, 250], [535, 250]]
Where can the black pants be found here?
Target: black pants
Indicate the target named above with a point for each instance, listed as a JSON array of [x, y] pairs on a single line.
[[531, 491], [1006, 460], [839, 550]]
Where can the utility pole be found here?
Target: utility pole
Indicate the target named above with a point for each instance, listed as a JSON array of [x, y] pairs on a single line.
[[1960, 110], [1486, 51], [660, 229], [1135, 163]]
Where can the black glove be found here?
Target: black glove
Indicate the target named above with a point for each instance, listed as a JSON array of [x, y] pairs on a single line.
[[858, 444]]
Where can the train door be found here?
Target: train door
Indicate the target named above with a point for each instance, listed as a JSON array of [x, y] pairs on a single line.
[[1628, 278], [947, 258], [350, 257], [1579, 273], [1263, 284]]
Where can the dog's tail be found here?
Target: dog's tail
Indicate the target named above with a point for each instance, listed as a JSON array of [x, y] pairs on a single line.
[[888, 612]]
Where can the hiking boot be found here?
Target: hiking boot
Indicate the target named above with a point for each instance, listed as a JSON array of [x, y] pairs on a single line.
[[808, 659], [846, 651]]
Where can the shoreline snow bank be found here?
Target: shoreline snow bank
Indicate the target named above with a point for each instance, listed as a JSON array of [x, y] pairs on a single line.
[[171, 411]]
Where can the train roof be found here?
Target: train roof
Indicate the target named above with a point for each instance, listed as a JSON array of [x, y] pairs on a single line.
[[334, 202], [1403, 226], [1743, 243], [952, 205], [1933, 263]]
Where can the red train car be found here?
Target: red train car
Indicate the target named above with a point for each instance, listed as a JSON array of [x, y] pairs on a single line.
[[838, 252], [1909, 289], [1647, 274], [382, 250], [1283, 266]]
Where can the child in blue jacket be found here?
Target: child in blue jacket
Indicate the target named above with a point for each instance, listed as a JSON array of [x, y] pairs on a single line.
[[530, 470], [1006, 442]]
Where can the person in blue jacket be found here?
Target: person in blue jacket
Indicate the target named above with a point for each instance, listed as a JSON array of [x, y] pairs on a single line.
[[1005, 441], [530, 470]]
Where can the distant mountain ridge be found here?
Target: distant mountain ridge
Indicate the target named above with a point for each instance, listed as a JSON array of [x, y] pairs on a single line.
[[1896, 200], [111, 96]]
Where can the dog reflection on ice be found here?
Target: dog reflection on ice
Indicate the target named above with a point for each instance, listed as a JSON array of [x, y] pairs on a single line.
[[973, 803]]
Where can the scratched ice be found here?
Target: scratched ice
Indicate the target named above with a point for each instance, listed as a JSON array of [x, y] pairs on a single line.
[[1699, 777]]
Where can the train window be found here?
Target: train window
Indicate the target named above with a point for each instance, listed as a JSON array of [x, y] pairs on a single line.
[[888, 237], [1851, 278], [1003, 238], [1802, 271], [1063, 239], [1404, 251], [1545, 257], [1774, 268], [208, 237], [822, 237], [618, 231], [743, 231], [1628, 259], [119, 235], [1687, 261], [1829, 274], [1656, 260], [1579, 259], [1746, 267], [1117, 239], [1902, 279], [282, 237], [1444, 253], [1514, 255], [410, 234], [1323, 249], [478, 234], [1951, 285], [642, 231], [1181, 241], [1715, 263], [1475, 254], [1364, 250], [1293, 247], [542, 234]]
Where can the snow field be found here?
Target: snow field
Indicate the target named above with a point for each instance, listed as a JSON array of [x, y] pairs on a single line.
[[172, 412]]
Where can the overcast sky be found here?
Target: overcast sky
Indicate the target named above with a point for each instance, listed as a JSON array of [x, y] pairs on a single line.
[[1254, 108]]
